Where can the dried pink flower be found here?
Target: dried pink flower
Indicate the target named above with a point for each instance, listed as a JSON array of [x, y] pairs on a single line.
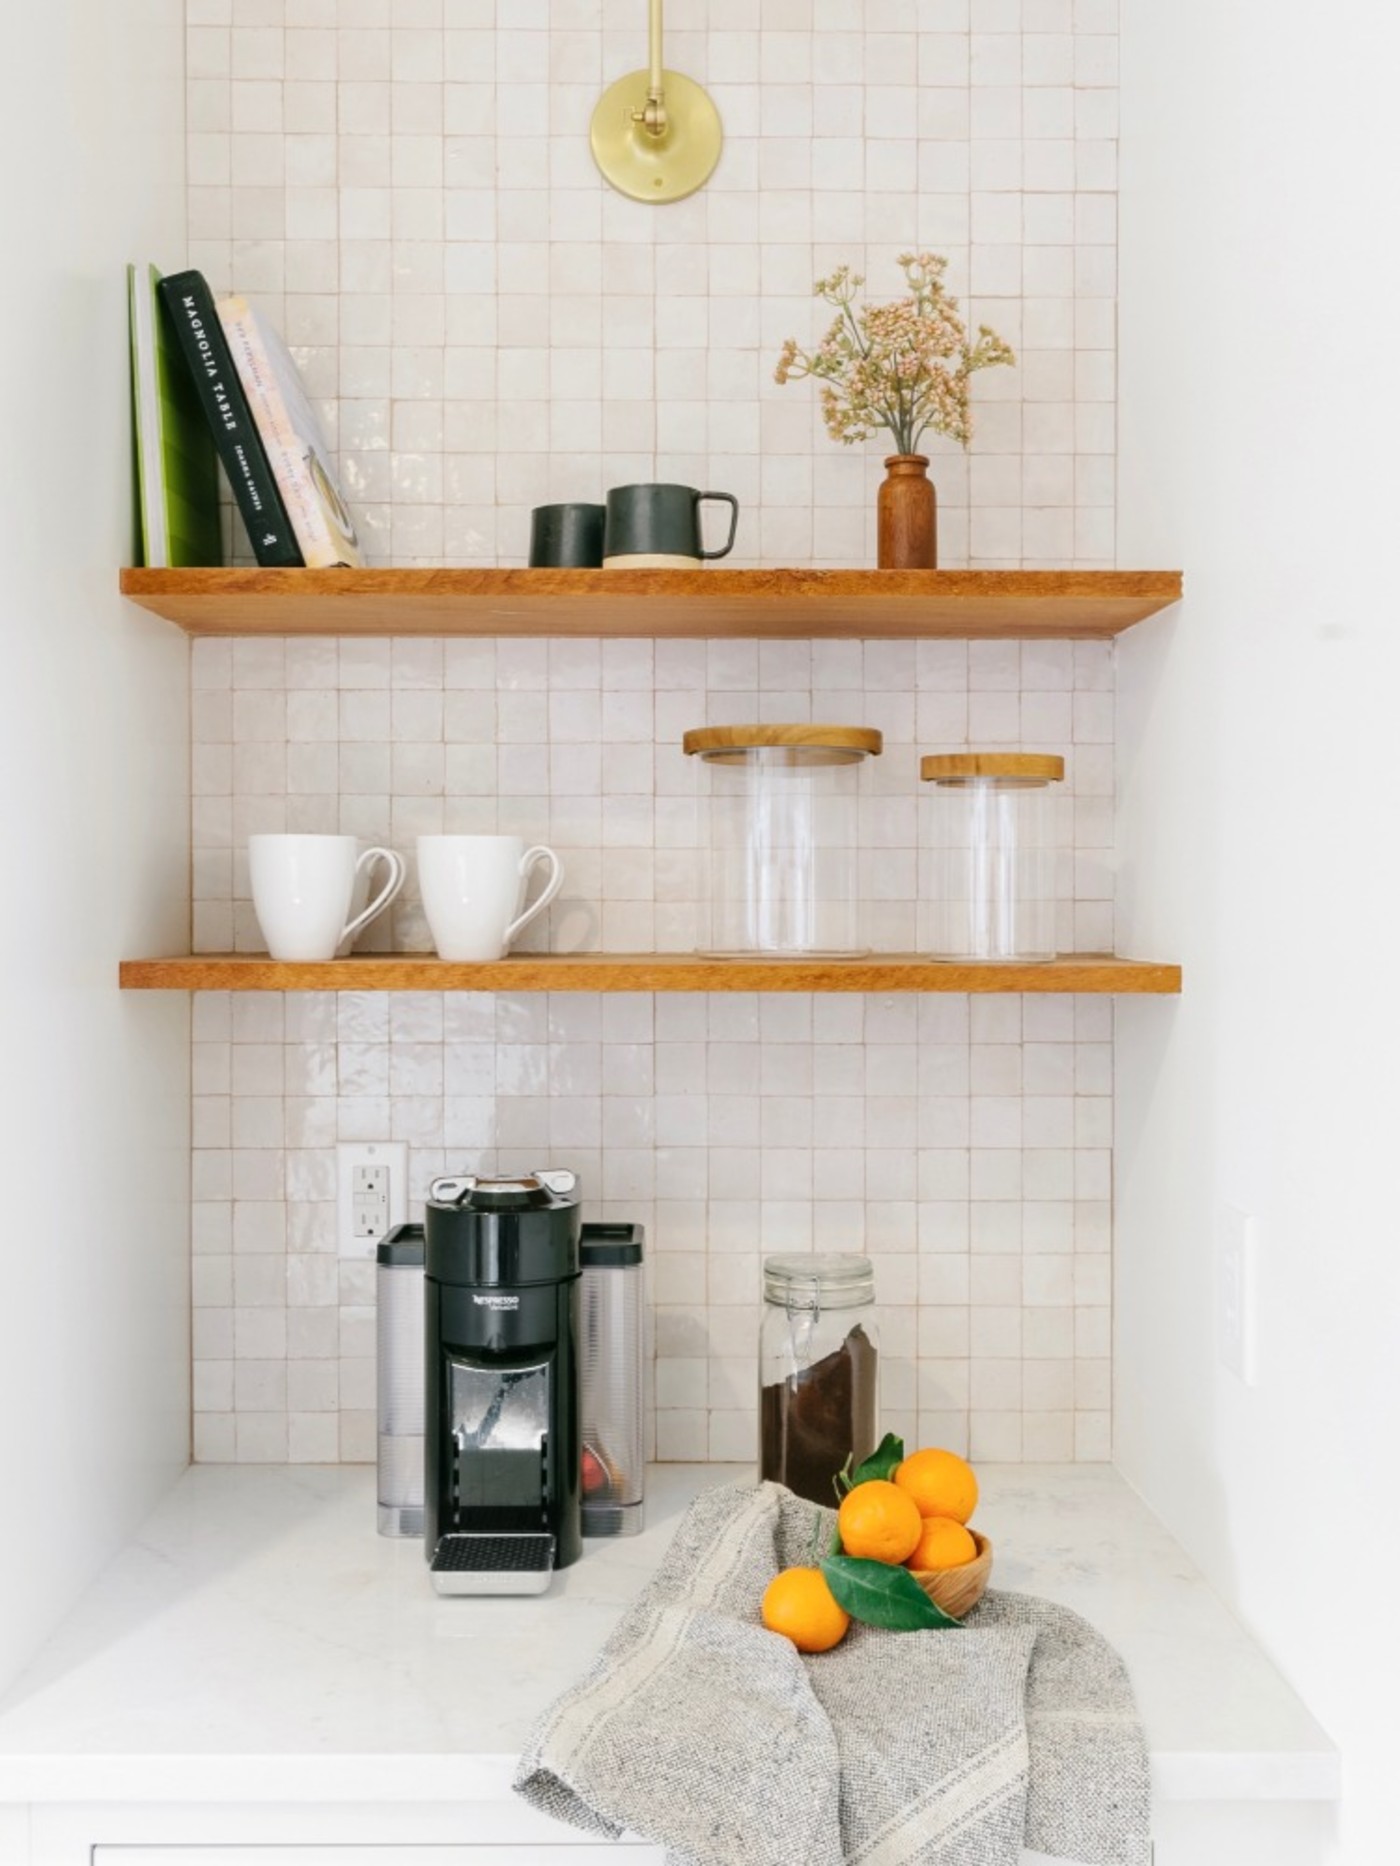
[[904, 366]]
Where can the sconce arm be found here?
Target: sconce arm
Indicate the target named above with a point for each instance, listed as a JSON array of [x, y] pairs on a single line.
[[653, 116]]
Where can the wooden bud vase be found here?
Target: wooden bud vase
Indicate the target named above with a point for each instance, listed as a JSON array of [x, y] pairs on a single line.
[[908, 515]]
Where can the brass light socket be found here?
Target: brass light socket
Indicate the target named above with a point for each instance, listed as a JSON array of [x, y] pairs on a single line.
[[638, 162]]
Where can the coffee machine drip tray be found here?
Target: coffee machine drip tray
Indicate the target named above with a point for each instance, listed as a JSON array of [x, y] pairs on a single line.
[[493, 1564]]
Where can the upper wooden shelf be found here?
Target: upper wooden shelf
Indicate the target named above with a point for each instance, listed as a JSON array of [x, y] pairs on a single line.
[[852, 604], [614, 971]]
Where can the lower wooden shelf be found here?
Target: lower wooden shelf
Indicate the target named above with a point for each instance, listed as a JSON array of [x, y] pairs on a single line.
[[627, 971]]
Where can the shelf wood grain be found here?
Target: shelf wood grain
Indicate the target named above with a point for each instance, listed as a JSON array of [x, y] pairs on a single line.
[[775, 604], [613, 971]]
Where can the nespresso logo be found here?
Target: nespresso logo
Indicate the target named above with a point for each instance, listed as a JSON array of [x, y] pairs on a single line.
[[496, 1302]]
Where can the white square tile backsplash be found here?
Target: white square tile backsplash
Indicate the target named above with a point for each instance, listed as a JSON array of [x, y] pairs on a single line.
[[965, 1143], [728, 1130], [486, 325], [406, 185]]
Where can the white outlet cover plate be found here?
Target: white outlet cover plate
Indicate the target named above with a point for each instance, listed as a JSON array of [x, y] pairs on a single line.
[[1236, 1250], [350, 1154]]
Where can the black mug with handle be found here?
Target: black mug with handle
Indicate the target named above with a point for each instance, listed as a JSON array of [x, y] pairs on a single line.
[[657, 527]]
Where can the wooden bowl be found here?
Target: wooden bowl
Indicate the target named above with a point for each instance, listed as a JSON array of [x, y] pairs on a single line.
[[958, 1590]]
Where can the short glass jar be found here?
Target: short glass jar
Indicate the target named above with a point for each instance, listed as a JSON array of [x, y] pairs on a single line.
[[995, 854], [818, 1370]]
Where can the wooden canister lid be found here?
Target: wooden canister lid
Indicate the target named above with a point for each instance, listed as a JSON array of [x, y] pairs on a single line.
[[1017, 767], [825, 745]]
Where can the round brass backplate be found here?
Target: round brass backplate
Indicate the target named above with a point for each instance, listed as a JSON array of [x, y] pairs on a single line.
[[656, 168]]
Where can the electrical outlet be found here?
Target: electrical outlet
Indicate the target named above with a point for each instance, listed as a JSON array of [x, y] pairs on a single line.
[[372, 1193], [1235, 1254], [369, 1195]]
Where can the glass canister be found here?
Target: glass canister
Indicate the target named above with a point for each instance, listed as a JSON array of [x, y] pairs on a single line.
[[818, 1370], [784, 837], [995, 854]]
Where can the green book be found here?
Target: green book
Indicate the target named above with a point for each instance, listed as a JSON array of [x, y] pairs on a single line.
[[177, 474]]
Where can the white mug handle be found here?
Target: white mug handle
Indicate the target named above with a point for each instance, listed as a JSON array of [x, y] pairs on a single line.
[[397, 870], [556, 881]]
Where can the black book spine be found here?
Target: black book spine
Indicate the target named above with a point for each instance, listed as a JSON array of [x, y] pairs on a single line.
[[196, 324]]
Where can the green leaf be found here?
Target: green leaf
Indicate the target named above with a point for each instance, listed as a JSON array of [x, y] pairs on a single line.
[[884, 1461], [882, 1595]]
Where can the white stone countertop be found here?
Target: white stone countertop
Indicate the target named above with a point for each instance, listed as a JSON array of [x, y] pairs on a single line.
[[258, 1641]]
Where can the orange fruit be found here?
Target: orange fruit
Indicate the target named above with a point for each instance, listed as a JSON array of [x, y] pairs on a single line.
[[943, 1544], [940, 1483], [879, 1521], [798, 1604]]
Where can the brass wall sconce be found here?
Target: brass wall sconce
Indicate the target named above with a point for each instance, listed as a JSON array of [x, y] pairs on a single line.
[[656, 135]]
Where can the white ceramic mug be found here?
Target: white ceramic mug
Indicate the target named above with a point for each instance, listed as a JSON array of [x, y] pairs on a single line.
[[302, 890], [473, 888]]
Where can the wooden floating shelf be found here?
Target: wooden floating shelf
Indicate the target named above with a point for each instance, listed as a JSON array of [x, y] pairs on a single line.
[[615, 971], [1022, 605]]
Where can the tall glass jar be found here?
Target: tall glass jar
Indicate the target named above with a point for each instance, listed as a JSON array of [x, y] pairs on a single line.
[[994, 854], [784, 844], [818, 1370]]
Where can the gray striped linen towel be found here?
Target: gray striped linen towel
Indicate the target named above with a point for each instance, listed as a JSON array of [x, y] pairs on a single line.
[[702, 1732]]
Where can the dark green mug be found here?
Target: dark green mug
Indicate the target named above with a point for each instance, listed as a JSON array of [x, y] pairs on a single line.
[[658, 527], [566, 536]]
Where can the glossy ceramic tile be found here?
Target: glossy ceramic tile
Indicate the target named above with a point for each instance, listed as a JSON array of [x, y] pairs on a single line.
[[484, 326], [487, 326]]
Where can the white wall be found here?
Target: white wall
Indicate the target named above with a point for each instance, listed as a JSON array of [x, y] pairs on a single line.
[[93, 819], [1258, 405]]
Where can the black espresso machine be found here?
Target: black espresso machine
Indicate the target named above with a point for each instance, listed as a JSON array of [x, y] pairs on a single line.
[[502, 1452]]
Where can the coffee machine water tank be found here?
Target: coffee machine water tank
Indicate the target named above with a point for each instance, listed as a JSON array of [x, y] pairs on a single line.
[[611, 1382], [399, 1381], [502, 1455]]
